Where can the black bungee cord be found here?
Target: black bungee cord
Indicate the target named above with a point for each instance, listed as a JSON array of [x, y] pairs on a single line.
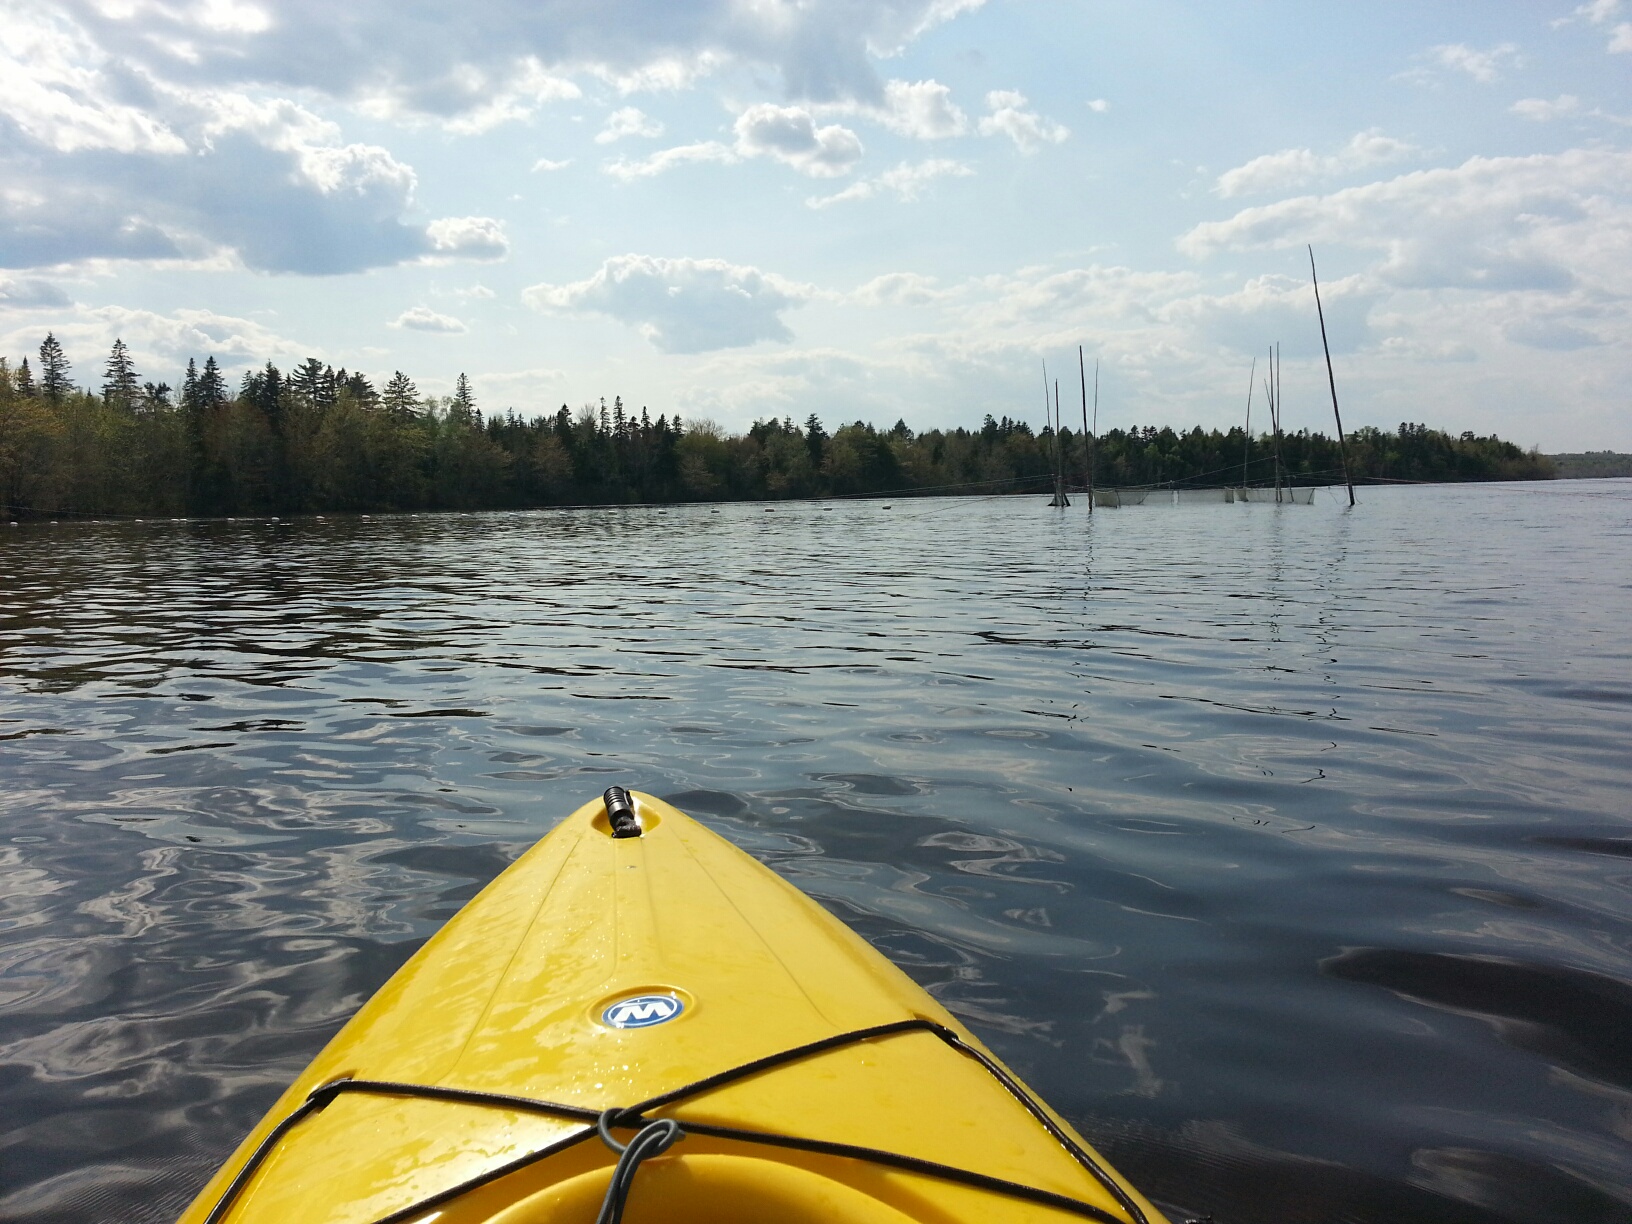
[[653, 1139], [657, 1135]]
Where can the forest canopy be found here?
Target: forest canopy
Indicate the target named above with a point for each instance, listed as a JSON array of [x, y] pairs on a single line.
[[314, 438]]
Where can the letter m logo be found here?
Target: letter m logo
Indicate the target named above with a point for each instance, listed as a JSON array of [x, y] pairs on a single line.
[[643, 1011]]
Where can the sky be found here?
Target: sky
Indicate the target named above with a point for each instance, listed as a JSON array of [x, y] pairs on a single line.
[[738, 209]]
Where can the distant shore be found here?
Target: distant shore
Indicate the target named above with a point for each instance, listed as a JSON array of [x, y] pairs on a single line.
[[1592, 465]]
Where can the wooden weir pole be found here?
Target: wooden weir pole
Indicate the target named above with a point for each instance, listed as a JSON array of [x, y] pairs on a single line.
[[1088, 438], [1342, 444], [1060, 499], [1272, 389], [1246, 448]]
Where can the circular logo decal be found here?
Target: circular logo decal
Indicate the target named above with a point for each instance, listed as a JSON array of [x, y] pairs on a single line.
[[641, 1011]]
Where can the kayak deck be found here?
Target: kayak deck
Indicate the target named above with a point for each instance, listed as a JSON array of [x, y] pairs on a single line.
[[599, 973]]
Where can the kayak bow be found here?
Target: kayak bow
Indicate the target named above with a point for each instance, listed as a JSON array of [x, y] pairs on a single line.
[[637, 1014]]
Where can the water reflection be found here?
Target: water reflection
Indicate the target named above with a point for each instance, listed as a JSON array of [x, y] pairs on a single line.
[[1284, 850]]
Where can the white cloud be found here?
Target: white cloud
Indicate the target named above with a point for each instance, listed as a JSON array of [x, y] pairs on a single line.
[[628, 121], [1542, 111], [787, 134], [1601, 13], [667, 159], [898, 289], [663, 74], [475, 291], [159, 343], [1598, 12], [196, 174], [1009, 117], [530, 390], [1545, 223], [923, 110], [1483, 66], [1278, 308], [189, 333], [150, 130], [919, 110], [503, 59], [1297, 167], [681, 305], [790, 135], [545, 165], [1177, 346], [61, 90], [468, 238], [906, 182], [423, 318], [29, 293], [1556, 334], [1099, 106]]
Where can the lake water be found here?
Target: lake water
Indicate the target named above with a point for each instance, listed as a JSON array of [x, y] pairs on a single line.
[[1286, 850]]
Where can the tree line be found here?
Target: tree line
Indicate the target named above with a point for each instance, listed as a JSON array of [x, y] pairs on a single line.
[[314, 438]]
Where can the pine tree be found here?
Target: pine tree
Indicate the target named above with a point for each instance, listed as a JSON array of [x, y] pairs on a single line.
[[54, 366], [401, 397], [212, 387], [24, 380], [120, 385], [360, 389], [312, 383], [269, 396], [463, 397], [189, 390], [815, 436]]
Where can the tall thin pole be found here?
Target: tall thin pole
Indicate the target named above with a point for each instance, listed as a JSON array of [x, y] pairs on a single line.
[[1087, 438], [1331, 381], [1059, 465], [1093, 434], [1275, 416], [1046, 417], [1246, 448], [1060, 499]]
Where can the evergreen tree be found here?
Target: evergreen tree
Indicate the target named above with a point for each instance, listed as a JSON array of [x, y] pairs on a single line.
[[401, 397], [156, 397], [360, 389], [463, 397], [815, 437], [212, 387], [189, 390], [54, 366], [269, 396], [23, 380], [120, 386], [313, 383]]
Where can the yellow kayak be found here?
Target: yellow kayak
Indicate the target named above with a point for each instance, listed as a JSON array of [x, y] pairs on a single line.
[[638, 1021]]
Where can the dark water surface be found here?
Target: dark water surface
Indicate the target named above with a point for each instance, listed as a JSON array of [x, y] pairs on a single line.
[[1287, 851]]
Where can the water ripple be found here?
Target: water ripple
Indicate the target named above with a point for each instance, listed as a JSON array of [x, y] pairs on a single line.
[[1284, 850]]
